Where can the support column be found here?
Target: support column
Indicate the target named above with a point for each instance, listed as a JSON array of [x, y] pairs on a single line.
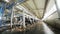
[[24, 20], [12, 15]]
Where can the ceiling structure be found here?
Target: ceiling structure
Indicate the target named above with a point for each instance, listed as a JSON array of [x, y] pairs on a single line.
[[36, 7]]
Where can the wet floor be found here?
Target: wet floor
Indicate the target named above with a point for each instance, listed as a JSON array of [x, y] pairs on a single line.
[[39, 28]]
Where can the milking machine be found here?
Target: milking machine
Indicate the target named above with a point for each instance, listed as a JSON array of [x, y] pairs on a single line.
[[9, 4]]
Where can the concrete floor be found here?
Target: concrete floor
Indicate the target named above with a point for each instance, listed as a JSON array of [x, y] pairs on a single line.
[[39, 28]]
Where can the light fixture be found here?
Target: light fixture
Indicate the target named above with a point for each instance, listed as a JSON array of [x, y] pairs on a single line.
[[58, 4], [7, 0]]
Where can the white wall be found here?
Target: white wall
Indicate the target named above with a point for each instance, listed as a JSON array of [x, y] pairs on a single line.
[[51, 8], [53, 16]]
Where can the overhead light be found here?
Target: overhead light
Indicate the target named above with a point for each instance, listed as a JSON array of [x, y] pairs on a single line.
[[58, 4], [7, 0]]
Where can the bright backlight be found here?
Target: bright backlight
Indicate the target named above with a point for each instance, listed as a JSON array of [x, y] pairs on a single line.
[[58, 3], [7, 0], [0, 18], [52, 10]]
